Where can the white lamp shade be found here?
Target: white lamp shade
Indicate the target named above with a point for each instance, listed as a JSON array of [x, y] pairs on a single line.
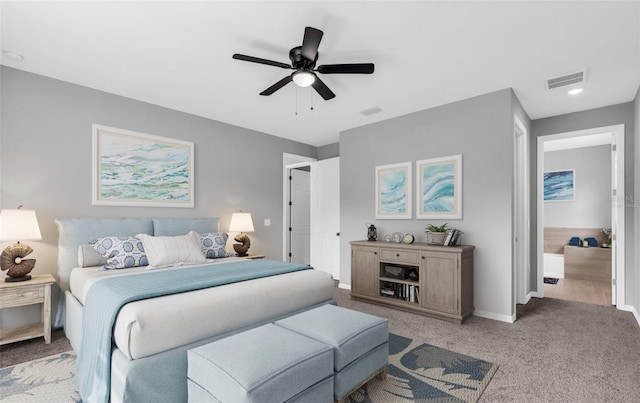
[[19, 225], [303, 78], [241, 222]]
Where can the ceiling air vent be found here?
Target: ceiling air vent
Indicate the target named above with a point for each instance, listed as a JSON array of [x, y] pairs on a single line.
[[371, 111], [567, 79]]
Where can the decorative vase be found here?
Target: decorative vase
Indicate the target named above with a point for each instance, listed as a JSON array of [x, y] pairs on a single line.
[[437, 238]]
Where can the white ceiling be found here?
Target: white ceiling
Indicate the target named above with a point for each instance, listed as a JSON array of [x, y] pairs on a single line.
[[178, 55]]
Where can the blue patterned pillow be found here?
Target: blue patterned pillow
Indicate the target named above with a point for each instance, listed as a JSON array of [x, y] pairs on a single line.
[[213, 244], [121, 252]]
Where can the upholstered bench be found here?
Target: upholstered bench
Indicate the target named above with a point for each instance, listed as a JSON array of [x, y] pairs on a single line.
[[360, 343], [265, 364]]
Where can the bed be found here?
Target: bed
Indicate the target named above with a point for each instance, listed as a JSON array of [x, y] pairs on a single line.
[[149, 337]]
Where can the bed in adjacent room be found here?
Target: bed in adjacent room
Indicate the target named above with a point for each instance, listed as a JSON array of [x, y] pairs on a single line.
[[143, 357]]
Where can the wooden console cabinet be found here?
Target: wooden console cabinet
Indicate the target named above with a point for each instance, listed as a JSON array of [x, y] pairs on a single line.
[[430, 280]]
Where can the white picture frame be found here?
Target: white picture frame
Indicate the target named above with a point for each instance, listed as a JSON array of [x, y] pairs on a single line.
[[439, 188], [141, 170], [393, 191]]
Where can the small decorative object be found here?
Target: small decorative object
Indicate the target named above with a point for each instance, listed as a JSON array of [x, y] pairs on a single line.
[[607, 243], [438, 234], [14, 225], [241, 222], [387, 238], [408, 238], [397, 237], [413, 275], [372, 234]]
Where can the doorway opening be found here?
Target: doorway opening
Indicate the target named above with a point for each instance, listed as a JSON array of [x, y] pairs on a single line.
[[296, 208], [612, 199]]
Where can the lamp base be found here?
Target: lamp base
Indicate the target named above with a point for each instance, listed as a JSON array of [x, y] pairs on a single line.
[[243, 247], [16, 279]]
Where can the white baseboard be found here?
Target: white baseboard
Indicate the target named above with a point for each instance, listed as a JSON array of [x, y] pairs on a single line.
[[632, 309], [636, 314], [556, 274], [344, 286], [495, 316]]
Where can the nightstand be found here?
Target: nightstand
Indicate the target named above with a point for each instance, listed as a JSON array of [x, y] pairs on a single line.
[[34, 291]]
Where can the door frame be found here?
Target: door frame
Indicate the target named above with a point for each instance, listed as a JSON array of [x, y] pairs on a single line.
[[521, 210], [617, 209], [290, 161]]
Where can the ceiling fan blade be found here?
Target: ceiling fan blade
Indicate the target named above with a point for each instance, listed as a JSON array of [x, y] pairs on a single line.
[[246, 58], [355, 68], [322, 89], [311, 42], [275, 87]]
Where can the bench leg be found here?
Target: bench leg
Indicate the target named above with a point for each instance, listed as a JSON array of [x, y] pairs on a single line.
[[381, 374]]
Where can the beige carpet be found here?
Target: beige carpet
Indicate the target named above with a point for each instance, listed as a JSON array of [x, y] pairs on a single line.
[[557, 351]]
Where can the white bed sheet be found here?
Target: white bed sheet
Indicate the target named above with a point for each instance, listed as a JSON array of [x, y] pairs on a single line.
[[154, 325]]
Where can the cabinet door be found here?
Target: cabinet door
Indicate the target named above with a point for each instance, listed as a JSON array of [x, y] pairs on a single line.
[[439, 279], [364, 270]]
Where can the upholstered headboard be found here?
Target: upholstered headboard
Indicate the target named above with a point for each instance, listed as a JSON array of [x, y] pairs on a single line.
[[73, 232]]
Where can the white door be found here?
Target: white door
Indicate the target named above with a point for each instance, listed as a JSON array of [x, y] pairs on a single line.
[[325, 216], [300, 205]]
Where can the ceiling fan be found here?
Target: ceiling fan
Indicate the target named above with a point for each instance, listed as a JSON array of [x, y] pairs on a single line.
[[303, 61]]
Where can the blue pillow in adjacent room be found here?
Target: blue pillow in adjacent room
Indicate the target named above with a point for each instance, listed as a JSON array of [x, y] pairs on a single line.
[[213, 244], [121, 252]]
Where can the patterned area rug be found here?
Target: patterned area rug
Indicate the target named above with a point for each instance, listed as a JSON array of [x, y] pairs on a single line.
[[48, 379], [425, 373], [417, 372]]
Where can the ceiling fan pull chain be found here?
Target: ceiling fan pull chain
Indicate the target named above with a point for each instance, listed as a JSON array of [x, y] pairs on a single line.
[[296, 101], [311, 96]]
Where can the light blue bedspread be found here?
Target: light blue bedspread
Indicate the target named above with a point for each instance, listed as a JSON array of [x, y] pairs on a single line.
[[106, 297]]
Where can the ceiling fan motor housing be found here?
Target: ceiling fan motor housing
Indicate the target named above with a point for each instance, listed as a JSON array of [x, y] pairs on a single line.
[[300, 62]]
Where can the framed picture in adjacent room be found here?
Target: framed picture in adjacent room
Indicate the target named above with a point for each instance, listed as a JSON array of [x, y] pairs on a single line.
[[393, 191], [138, 169], [559, 185], [439, 188]]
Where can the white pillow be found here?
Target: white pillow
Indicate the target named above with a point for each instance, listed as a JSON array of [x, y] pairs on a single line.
[[163, 251]]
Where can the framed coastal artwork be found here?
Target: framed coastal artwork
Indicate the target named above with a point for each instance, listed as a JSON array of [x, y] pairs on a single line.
[[137, 169], [439, 183], [559, 185], [393, 191]]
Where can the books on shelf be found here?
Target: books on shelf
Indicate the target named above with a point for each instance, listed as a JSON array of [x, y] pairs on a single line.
[[406, 292]]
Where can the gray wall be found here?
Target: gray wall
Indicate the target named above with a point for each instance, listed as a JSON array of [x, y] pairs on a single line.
[[329, 151], [606, 116], [591, 207], [481, 129], [46, 160]]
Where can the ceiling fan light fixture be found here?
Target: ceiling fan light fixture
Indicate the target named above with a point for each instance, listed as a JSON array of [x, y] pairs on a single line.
[[303, 78]]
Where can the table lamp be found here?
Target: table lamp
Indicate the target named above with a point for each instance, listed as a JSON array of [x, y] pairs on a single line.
[[17, 225], [241, 222]]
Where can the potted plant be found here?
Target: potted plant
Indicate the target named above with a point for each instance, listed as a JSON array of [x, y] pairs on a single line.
[[438, 233]]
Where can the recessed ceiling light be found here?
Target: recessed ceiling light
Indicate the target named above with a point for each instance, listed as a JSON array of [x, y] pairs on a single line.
[[16, 57], [575, 91]]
